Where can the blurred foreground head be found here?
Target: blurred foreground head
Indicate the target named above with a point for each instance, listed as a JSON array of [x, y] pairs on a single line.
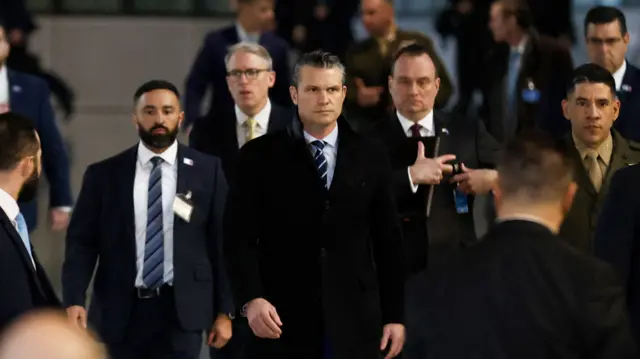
[[48, 335], [535, 178]]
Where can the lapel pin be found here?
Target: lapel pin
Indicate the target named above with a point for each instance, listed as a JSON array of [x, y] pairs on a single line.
[[626, 88], [16, 88], [188, 161], [188, 195]]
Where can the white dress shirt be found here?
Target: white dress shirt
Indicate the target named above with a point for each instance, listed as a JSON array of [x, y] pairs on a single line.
[[262, 123], [330, 151], [169, 168], [618, 76], [427, 129], [4, 86], [11, 209]]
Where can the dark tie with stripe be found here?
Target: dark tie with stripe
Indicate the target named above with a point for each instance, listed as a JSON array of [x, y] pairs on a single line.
[[320, 160], [153, 267]]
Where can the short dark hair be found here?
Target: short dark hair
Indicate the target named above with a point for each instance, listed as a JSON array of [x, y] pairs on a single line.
[[535, 167], [17, 140], [519, 9], [318, 59], [593, 74], [603, 15], [155, 85], [413, 50]]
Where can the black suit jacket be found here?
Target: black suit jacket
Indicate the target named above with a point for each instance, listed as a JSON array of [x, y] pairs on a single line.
[[329, 261], [23, 288], [617, 238], [545, 64], [628, 123], [102, 227], [217, 135], [209, 71], [523, 293], [465, 137]]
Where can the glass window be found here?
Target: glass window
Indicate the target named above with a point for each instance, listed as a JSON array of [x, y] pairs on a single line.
[[91, 5], [178, 6]]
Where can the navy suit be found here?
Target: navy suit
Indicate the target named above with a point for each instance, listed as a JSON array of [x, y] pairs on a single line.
[[30, 97], [628, 122], [209, 70], [23, 288], [102, 228]]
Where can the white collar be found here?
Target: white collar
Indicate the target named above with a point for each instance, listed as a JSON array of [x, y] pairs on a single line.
[[9, 205], [261, 118], [169, 155], [618, 76], [521, 46], [331, 139], [426, 123], [243, 35]]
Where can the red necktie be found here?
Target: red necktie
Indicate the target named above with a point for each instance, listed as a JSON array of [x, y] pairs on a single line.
[[415, 130]]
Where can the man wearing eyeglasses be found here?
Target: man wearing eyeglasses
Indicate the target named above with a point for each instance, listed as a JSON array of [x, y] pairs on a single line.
[[250, 75], [607, 38]]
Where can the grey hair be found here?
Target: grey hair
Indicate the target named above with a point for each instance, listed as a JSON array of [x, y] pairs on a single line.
[[321, 60], [250, 48]]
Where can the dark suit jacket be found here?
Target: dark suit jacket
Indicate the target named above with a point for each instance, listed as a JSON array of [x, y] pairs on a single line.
[[23, 288], [217, 135], [522, 293], [364, 60], [580, 223], [329, 261], [545, 64], [468, 139], [30, 97], [628, 122], [102, 228], [617, 238], [209, 72]]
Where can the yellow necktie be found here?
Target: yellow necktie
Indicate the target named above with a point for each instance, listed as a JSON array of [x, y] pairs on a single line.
[[594, 169], [384, 46], [251, 129]]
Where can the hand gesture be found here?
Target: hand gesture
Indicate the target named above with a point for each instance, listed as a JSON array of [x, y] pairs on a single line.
[[475, 182], [77, 316], [430, 170], [220, 332], [263, 319], [395, 334]]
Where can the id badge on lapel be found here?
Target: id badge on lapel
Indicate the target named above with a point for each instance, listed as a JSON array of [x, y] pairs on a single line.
[[531, 94], [461, 202], [182, 206]]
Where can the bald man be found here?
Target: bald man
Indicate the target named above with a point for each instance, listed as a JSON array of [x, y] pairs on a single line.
[[48, 335]]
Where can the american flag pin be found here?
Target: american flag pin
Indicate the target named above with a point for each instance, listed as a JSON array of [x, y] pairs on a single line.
[[626, 88], [188, 161], [16, 88]]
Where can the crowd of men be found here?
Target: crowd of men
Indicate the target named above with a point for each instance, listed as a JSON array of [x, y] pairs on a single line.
[[332, 209]]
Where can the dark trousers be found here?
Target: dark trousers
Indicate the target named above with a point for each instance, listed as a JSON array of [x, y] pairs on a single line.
[[154, 332]]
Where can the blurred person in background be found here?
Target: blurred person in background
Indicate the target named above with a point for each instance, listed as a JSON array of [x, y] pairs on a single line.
[[467, 20], [526, 75], [250, 75], [48, 335], [521, 292], [554, 18], [29, 96], [607, 38], [368, 65], [208, 72], [23, 282]]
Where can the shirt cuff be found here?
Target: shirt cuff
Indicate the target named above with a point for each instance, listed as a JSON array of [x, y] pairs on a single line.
[[414, 187], [67, 209]]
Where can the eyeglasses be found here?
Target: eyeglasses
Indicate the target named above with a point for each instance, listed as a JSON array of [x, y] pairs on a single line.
[[251, 74]]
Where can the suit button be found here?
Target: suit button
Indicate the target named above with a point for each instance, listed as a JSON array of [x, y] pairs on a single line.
[[327, 205]]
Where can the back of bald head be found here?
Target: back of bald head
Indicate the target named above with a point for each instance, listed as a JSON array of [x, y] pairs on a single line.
[[48, 335]]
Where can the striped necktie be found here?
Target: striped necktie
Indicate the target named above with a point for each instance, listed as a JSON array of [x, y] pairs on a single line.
[[153, 267], [320, 160]]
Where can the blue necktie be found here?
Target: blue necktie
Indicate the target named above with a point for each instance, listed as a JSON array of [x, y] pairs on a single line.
[[320, 161], [153, 267], [24, 234], [512, 82]]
